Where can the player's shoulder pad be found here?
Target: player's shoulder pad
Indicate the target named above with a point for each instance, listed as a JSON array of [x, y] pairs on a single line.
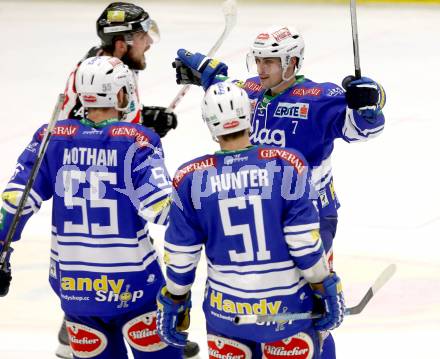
[[136, 133], [286, 155], [199, 163], [314, 91]]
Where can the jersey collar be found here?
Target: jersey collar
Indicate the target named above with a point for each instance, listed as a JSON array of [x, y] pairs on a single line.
[[87, 122]]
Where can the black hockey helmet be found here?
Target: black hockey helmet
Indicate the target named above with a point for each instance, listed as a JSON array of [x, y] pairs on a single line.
[[124, 19]]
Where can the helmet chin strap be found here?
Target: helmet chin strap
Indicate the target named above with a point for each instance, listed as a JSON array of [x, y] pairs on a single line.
[[284, 80]]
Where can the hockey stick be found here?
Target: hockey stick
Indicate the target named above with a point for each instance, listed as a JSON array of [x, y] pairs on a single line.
[[355, 37], [30, 183], [383, 278], [230, 13]]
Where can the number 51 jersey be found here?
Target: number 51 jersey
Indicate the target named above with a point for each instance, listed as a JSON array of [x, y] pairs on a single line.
[[252, 212], [106, 182]]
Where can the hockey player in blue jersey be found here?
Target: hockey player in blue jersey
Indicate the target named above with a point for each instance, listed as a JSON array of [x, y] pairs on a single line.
[[126, 31], [251, 209], [107, 179], [290, 110]]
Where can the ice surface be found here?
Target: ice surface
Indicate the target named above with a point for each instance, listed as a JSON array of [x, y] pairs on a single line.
[[389, 188]]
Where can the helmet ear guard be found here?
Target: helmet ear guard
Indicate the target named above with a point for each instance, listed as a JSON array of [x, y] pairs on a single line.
[[226, 109]]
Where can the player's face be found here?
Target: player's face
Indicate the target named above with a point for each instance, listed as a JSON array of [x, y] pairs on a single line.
[[142, 42], [269, 70]]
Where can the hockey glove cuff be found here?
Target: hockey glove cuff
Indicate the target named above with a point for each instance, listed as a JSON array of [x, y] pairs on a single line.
[[364, 95], [173, 318], [159, 119], [330, 294], [197, 69]]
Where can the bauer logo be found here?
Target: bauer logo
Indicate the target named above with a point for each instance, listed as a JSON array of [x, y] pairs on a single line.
[[292, 110]]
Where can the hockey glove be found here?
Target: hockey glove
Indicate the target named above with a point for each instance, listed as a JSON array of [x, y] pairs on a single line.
[[329, 294], [173, 317], [364, 95], [158, 119], [5, 275], [197, 69]]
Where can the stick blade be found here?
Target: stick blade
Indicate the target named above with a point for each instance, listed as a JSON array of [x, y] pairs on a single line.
[[230, 11], [384, 278]]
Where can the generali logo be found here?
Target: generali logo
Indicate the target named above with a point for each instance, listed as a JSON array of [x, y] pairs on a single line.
[[194, 166], [127, 131], [302, 91], [292, 158]]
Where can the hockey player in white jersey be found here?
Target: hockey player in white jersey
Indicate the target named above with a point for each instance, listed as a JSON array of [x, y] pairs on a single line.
[[290, 110], [107, 179], [250, 207], [126, 31]]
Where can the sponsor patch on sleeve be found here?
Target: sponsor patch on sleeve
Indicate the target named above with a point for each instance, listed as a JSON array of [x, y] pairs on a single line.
[[193, 166]]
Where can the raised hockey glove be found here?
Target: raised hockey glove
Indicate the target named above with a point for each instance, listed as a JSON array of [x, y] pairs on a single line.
[[197, 69], [159, 119], [329, 294], [5, 275], [364, 95], [173, 317]]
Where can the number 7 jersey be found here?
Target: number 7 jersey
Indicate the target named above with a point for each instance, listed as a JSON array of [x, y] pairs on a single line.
[[106, 182], [253, 212]]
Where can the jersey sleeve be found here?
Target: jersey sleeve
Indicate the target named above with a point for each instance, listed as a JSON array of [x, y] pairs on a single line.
[[344, 122], [184, 240], [41, 190], [151, 181], [301, 229]]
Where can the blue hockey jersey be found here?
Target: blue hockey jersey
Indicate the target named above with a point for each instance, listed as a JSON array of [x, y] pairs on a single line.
[[252, 212], [106, 181], [309, 116]]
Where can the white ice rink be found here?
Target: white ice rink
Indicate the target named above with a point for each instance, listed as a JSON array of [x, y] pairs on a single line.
[[389, 187]]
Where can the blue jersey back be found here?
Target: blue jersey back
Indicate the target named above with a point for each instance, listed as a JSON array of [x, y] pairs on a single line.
[[106, 183], [242, 207]]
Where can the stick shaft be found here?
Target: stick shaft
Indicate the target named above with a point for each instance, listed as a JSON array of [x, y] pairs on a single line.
[[355, 37], [381, 280], [230, 20], [30, 183]]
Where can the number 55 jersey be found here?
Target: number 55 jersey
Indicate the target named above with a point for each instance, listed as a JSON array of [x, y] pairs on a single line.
[[252, 211], [106, 180]]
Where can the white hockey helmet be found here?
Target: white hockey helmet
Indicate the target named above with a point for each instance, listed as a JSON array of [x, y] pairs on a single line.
[[226, 109], [99, 79], [284, 42]]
